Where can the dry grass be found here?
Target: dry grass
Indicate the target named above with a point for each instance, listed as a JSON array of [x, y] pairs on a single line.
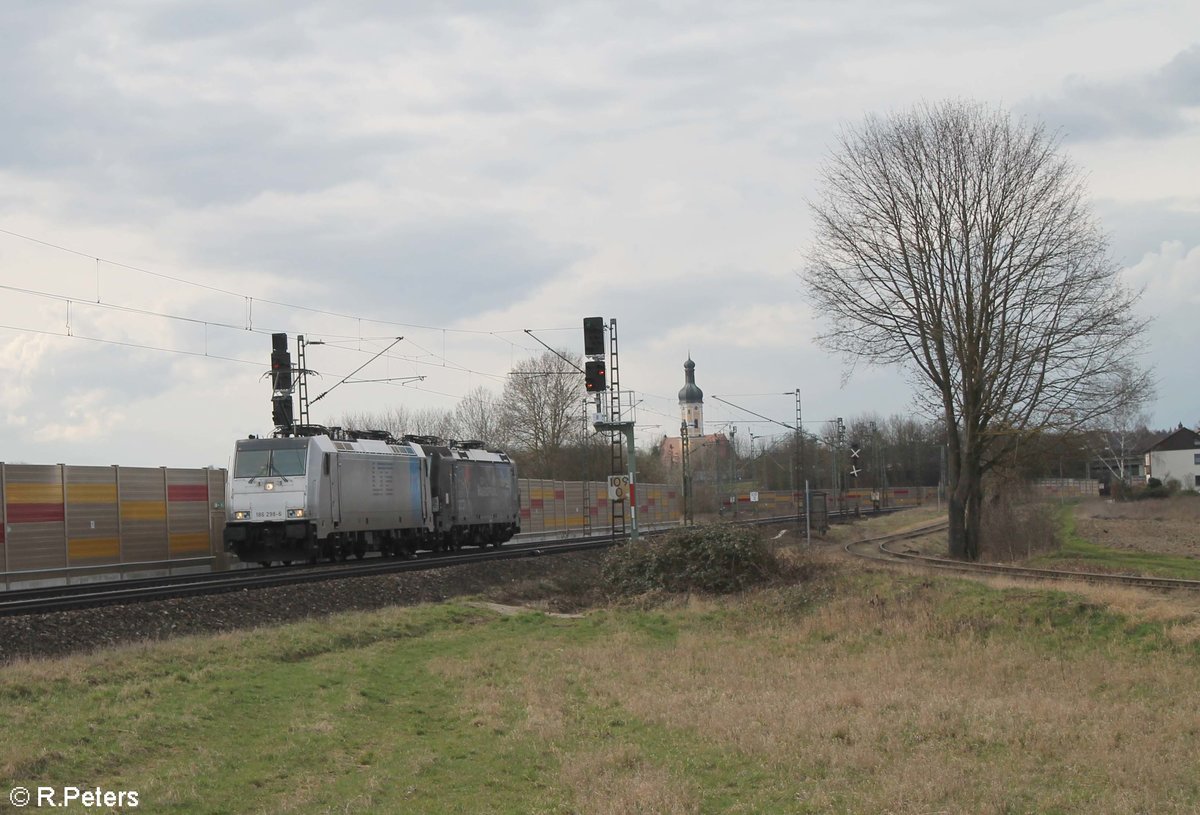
[[1178, 613], [880, 703], [883, 525], [617, 779]]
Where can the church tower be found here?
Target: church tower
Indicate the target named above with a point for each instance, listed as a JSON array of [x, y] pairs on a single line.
[[691, 401]]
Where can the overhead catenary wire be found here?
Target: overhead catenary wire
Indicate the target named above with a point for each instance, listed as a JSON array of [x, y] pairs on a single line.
[[125, 344], [249, 300], [250, 297], [342, 342]]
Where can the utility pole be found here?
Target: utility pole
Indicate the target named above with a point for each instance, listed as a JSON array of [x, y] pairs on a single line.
[[685, 455], [732, 467], [798, 460]]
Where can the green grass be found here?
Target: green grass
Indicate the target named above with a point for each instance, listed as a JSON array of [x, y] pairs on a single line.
[[339, 717], [454, 709], [1084, 554]]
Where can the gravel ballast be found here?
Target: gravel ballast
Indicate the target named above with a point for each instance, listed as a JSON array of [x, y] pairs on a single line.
[[508, 580]]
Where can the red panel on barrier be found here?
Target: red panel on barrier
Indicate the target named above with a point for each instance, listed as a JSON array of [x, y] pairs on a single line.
[[35, 513], [560, 495], [187, 492], [537, 503], [525, 514]]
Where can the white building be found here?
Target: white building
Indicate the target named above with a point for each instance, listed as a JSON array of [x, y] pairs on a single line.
[[1177, 456]]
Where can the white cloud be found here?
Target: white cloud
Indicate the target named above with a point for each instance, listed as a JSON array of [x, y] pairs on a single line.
[[493, 167], [1170, 280]]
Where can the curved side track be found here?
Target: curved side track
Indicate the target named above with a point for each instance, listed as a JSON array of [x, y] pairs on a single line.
[[883, 549]]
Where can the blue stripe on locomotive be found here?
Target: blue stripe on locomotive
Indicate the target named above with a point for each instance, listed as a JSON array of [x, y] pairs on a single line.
[[414, 483]]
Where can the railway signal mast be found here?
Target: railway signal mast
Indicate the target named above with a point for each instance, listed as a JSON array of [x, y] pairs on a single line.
[[281, 386], [600, 370], [286, 379]]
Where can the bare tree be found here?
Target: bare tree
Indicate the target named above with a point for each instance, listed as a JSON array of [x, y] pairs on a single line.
[[477, 416], [1118, 436], [399, 420], [958, 242], [539, 408]]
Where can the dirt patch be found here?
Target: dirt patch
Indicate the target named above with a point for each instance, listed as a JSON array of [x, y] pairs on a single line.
[[1169, 527], [1160, 536]]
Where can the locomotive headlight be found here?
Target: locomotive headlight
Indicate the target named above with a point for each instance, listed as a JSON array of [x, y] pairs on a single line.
[[241, 515], [295, 513], [270, 485]]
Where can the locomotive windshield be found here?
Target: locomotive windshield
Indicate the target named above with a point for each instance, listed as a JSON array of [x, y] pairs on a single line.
[[270, 457]]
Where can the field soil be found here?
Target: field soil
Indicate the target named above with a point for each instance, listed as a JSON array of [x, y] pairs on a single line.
[[1168, 527]]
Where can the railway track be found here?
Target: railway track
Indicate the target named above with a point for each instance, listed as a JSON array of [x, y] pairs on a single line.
[[60, 598], [884, 549], [116, 592]]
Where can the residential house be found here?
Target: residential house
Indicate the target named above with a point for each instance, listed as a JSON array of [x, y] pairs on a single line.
[[1177, 456]]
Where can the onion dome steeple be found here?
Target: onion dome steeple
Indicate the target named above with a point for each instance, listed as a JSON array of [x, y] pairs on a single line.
[[691, 400], [690, 392]]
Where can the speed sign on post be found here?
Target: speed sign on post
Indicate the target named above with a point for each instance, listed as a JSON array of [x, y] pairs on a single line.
[[618, 487]]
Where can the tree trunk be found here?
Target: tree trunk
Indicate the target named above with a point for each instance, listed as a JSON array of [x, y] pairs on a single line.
[[965, 503], [958, 526], [974, 515]]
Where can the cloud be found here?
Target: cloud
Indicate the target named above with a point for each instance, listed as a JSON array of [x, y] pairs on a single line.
[[479, 165], [1138, 228], [1153, 105], [1170, 278]]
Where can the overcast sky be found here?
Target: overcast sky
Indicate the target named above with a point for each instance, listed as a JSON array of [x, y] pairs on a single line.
[[458, 172]]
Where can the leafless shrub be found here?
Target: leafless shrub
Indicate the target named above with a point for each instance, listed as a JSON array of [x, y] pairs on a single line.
[[1017, 524]]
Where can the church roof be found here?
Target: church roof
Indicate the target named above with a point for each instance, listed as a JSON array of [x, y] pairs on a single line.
[[690, 392]]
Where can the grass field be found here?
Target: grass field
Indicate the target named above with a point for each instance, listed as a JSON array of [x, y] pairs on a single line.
[[859, 691]]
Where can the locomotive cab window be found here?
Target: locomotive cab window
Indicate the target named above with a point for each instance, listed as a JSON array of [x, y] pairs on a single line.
[[260, 461], [288, 462], [252, 463]]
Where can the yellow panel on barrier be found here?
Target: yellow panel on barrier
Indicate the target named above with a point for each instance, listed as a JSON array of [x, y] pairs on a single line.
[[18, 493], [189, 542], [91, 493], [143, 510], [83, 549]]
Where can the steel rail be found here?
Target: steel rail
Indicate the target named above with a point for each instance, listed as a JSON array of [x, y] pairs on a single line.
[[880, 549], [49, 599], [40, 601]]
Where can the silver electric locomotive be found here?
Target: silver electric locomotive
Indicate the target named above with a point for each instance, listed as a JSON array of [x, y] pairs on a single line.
[[334, 493]]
